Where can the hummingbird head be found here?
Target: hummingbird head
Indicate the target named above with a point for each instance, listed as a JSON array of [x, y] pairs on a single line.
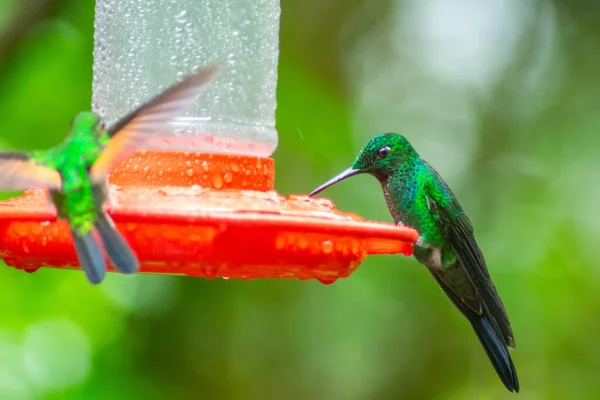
[[86, 124], [381, 157]]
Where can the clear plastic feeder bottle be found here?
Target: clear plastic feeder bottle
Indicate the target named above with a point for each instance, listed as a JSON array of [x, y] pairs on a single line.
[[142, 47]]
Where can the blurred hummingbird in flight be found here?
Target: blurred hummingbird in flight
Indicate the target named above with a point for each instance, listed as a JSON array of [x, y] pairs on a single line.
[[76, 171], [418, 197]]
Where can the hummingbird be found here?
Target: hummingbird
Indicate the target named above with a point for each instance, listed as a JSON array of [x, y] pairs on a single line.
[[75, 172], [418, 197]]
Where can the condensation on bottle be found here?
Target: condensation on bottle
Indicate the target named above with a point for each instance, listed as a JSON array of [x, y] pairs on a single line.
[[142, 47]]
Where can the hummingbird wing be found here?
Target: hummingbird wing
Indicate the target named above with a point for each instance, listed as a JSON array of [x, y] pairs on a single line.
[[90, 256], [116, 246], [149, 120], [458, 231], [20, 172], [118, 250], [486, 328]]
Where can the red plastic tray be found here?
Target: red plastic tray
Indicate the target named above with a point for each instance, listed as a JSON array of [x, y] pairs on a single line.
[[209, 215]]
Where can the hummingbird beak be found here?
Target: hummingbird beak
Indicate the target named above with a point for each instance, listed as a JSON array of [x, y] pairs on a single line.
[[346, 174]]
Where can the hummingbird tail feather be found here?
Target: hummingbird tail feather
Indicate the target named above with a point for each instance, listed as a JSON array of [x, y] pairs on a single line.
[[496, 349], [90, 256], [116, 246]]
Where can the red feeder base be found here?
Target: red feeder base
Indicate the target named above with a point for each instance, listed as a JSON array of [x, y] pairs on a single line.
[[209, 215]]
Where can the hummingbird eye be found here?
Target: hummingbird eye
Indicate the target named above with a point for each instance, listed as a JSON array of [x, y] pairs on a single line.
[[383, 152]]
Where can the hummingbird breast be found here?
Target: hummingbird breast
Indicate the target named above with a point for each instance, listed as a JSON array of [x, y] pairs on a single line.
[[407, 201], [76, 202]]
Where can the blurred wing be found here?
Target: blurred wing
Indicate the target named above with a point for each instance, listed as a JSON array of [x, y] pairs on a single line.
[[18, 172], [149, 120], [458, 231]]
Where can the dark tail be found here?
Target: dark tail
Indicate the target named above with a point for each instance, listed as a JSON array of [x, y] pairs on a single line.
[[116, 247], [496, 350], [90, 256]]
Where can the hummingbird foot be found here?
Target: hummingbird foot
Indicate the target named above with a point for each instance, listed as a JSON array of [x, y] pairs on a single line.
[[421, 243]]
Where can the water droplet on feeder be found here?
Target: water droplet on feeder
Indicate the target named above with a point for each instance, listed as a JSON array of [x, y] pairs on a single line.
[[280, 242], [327, 246], [302, 243], [209, 139], [326, 280], [20, 229], [210, 272], [355, 247], [217, 181], [228, 177]]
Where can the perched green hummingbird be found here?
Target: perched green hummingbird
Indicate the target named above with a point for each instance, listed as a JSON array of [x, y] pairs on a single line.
[[418, 197], [76, 171]]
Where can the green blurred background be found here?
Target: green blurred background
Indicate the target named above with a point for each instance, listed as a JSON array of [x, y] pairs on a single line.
[[502, 97]]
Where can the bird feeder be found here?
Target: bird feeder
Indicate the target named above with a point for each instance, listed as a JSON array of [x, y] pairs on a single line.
[[200, 200]]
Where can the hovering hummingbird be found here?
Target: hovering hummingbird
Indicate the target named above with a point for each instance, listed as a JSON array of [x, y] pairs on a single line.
[[76, 171], [418, 197]]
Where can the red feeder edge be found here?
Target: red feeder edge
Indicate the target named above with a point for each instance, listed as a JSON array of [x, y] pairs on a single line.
[[206, 215]]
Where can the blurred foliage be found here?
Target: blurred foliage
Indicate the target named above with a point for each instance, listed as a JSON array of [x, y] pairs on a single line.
[[500, 96]]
